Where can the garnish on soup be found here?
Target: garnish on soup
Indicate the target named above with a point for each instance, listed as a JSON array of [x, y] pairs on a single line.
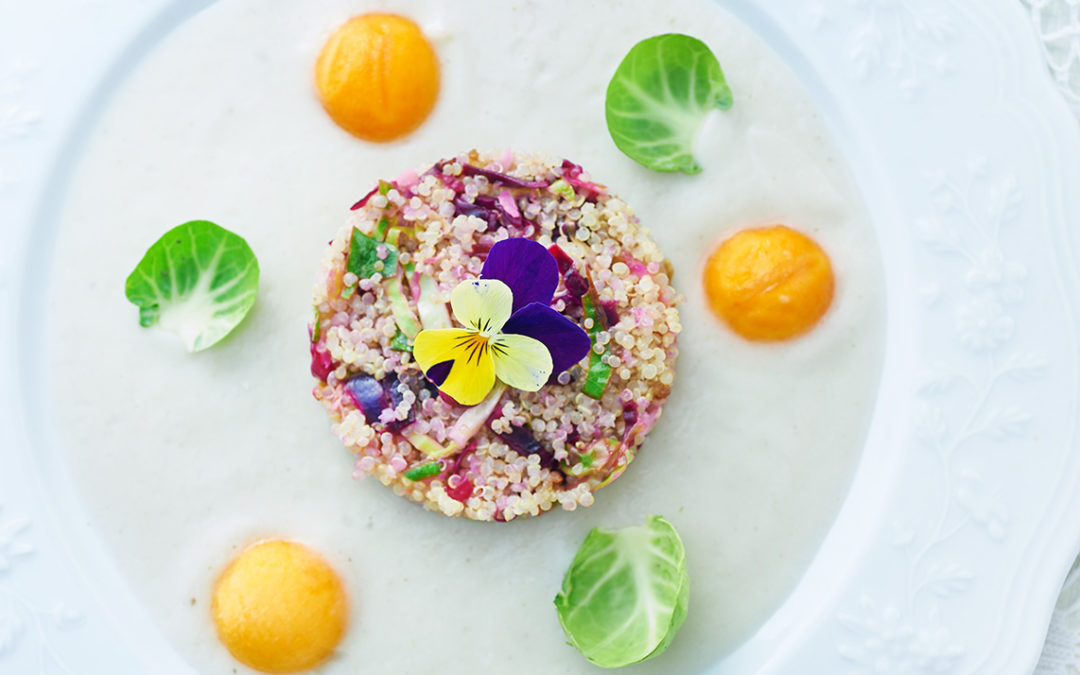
[[658, 98], [198, 280]]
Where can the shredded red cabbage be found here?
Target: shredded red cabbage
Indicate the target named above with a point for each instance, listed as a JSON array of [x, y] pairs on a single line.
[[364, 200], [416, 382], [462, 492], [487, 208], [509, 217], [572, 175], [372, 396], [610, 311], [561, 257], [368, 395], [568, 299], [576, 284], [501, 178], [462, 207], [321, 363], [521, 440], [464, 489], [452, 182], [630, 415]]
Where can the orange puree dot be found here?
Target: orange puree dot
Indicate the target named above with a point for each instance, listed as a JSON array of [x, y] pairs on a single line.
[[769, 283], [378, 76], [279, 607]]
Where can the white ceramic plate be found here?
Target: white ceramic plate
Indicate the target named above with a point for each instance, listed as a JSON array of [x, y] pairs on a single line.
[[965, 510]]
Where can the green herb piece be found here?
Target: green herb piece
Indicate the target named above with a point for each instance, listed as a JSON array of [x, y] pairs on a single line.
[[618, 459], [381, 227], [658, 98], [596, 379], [399, 307], [429, 446], [400, 343], [580, 467], [198, 280], [424, 471], [563, 189], [348, 292], [626, 593], [384, 187], [364, 260], [316, 326]]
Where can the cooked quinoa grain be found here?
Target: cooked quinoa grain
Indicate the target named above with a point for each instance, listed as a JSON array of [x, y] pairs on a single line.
[[412, 241]]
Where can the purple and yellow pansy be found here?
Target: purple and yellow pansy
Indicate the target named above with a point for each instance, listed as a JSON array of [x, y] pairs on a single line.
[[511, 333]]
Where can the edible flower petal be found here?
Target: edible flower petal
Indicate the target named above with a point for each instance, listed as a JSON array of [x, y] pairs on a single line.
[[564, 339], [482, 305], [526, 267], [520, 361], [472, 373], [511, 333]]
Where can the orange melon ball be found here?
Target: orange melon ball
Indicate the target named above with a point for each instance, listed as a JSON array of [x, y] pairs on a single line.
[[378, 76], [279, 607], [770, 283]]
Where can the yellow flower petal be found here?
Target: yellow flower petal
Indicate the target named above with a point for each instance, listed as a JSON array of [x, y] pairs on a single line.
[[482, 304], [468, 385], [472, 374], [435, 346], [521, 361]]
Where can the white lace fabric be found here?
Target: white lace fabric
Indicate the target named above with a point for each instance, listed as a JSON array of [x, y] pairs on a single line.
[[1061, 653], [1057, 23]]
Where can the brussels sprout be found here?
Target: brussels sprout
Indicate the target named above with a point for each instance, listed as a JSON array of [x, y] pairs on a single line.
[[198, 280], [658, 98], [625, 594]]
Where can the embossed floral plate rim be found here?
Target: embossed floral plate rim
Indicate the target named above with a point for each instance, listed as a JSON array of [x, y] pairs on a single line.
[[965, 511]]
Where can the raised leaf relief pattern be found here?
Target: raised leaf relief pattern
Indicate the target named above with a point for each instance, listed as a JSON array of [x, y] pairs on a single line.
[[23, 624], [27, 629], [904, 39], [12, 544], [963, 408], [889, 640], [17, 117]]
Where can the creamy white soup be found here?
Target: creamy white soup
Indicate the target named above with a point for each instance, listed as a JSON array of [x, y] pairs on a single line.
[[185, 459]]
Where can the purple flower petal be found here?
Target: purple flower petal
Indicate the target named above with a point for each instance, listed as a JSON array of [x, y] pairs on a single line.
[[526, 267], [567, 341], [439, 372]]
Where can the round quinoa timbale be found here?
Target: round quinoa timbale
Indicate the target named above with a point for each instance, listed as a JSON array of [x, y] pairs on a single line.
[[519, 453]]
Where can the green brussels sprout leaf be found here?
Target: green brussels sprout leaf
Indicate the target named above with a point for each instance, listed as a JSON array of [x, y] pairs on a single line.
[[626, 593], [658, 98], [198, 280]]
